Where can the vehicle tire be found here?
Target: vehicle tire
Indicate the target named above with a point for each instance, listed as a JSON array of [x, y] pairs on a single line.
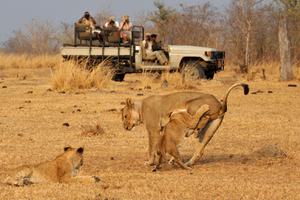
[[193, 70], [118, 77], [209, 75]]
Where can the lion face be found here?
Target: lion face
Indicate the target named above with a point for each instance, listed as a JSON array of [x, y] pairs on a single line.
[[130, 116], [75, 156]]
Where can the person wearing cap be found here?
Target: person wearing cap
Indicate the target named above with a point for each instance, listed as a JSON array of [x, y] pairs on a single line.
[[156, 46], [149, 54], [125, 28], [88, 20], [111, 23]]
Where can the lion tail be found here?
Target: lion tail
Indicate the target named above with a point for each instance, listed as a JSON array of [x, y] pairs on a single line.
[[224, 100]]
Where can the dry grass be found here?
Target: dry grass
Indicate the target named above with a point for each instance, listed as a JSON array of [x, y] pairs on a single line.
[[69, 76], [297, 71], [167, 80], [263, 71], [254, 155], [28, 61]]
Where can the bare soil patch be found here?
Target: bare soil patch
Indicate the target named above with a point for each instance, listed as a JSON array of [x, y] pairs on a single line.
[[254, 154]]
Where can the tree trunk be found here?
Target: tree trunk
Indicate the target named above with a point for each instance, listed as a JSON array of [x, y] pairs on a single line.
[[286, 70], [247, 48]]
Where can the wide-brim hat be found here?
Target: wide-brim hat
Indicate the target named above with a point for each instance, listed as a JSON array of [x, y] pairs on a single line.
[[112, 18], [125, 17]]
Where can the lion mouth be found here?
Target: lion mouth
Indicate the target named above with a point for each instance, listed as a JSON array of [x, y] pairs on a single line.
[[129, 128]]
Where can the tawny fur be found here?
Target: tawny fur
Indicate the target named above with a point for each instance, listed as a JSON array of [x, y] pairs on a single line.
[[154, 112], [64, 168], [176, 129]]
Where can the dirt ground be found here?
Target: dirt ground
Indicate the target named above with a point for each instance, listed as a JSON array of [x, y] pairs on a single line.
[[254, 155]]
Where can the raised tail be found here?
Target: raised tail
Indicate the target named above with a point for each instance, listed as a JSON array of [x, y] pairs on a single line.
[[224, 100]]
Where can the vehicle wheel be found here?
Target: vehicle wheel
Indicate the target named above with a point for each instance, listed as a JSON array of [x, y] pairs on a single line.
[[210, 74], [193, 70], [118, 77]]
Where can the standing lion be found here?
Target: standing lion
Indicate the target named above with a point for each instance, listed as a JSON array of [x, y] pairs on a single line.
[[154, 111]]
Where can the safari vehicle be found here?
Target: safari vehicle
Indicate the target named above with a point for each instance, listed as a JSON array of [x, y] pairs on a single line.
[[195, 62]]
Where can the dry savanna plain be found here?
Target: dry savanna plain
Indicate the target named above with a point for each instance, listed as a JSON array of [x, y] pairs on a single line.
[[255, 154]]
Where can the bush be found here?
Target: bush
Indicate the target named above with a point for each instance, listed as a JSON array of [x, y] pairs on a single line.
[[71, 76]]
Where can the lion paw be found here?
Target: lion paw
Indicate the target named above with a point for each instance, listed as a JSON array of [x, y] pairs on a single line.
[[156, 168], [171, 161], [187, 168], [149, 163], [188, 164]]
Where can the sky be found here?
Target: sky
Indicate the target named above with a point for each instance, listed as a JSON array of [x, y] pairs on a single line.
[[15, 14]]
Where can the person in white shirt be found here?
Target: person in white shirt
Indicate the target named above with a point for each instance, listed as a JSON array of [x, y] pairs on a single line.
[[111, 23]]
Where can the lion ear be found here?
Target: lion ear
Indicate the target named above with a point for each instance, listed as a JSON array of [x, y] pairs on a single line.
[[80, 150], [67, 148], [129, 102]]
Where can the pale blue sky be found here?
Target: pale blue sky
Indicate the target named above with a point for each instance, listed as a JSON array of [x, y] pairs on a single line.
[[14, 14]]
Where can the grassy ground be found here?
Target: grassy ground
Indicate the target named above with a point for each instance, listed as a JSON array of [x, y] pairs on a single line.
[[245, 160]]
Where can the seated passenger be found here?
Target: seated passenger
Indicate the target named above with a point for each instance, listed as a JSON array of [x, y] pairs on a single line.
[[111, 23], [156, 46], [159, 55], [125, 28], [88, 20]]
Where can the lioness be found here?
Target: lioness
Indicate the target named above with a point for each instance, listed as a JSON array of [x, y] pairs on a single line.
[[154, 111], [180, 123], [64, 168]]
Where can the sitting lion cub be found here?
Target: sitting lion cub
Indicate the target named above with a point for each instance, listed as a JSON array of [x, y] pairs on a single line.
[[181, 124], [64, 168]]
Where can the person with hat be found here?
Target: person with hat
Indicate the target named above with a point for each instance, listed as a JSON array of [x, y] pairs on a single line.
[[111, 23], [156, 46], [125, 28], [88, 20], [150, 54]]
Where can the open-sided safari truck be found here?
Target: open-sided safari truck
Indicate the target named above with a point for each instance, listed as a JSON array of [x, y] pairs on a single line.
[[196, 62]]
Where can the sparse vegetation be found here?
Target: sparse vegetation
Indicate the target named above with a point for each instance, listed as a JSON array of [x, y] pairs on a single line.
[[167, 80], [28, 61], [258, 142], [255, 154], [70, 76]]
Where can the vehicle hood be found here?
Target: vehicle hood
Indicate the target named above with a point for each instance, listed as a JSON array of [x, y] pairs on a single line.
[[190, 51], [190, 48]]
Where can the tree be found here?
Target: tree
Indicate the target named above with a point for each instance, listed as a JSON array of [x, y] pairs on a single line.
[[287, 8], [102, 16], [196, 25], [161, 19], [38, 37], [242, 21]]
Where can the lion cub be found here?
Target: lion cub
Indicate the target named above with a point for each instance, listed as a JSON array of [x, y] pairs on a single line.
[[181, 124], [64, 168]]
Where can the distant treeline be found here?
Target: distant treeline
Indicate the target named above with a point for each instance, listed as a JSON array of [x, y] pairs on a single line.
[[246, 29]]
